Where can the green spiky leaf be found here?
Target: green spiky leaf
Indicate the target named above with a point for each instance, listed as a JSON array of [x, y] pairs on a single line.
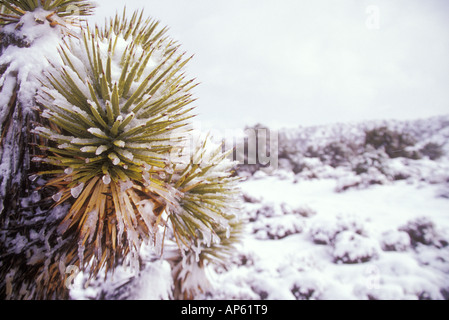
[[15, 9], [115, 111]]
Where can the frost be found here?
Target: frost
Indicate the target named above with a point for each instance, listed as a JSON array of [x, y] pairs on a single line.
[[394, 240], [88, 149], [106, 179], [78, 141], [126, 185], [101, 149], [115, 159], [158, 242], [119, 143], [76, 191], [64, 146], [98, 133], [90, 224], [57, 197], [81, 249], [125, 153]]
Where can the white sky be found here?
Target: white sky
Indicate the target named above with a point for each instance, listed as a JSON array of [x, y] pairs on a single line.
[[302, 62]]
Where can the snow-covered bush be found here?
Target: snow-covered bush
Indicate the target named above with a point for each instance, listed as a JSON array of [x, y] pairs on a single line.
[[336, 154], [395, 144], [422, 230], [247, 198], [350, 247], [370, 158], [433, 151], [277, 221], [277, 227], [307, 288], [303, 211], [394, 240], [324, 231]]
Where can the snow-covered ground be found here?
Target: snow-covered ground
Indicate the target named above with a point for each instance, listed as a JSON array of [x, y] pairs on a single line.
[[351, 245], [331, 233]]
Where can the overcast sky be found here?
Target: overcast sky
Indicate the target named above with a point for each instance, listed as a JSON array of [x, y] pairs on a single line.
[[300, 62]]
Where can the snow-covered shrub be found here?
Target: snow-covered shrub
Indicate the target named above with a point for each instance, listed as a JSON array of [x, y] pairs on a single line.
[[286, 164], [310, 169], [350, 247], [369, 158], [433, 151], [303, 211], [265, 210], [422, 230], [307, 288], [247, 198], [395, 144], [277, 227], [372, 177], [395, 240], [244, 258], [325, 231], [259, 174], [277, 221], [336, 154]]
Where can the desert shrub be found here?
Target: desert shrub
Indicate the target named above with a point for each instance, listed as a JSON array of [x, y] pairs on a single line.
[[308, 289], [312, 152], [335, 154], [370, 158], [326, 232], [394, 240], [423, 231], [303, 211], [351, 247], [396, 144], [276, 228], [432, 150]]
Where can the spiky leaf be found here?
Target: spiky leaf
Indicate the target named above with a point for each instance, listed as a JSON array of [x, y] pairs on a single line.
[[115, 110]]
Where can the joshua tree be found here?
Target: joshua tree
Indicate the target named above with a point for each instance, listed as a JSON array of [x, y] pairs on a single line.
[[105, 121]]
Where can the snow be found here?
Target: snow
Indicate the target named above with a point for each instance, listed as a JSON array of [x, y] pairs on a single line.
[[153, 282], [76, 191], [304, 240], [327, 232], [353, 248], [22, 64]]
